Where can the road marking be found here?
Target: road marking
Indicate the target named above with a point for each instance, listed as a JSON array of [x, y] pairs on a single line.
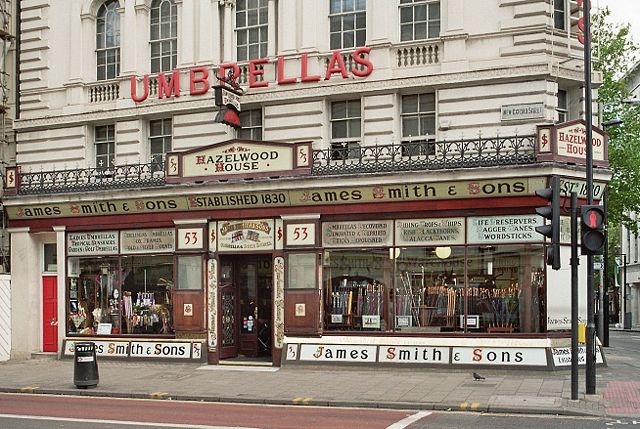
[[475, 405], [29, 388], [409, 420], [158, 395], [463, 406], [301, 401], [119, 422]]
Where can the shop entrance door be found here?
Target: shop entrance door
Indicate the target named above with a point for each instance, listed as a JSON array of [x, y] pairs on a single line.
[[49, 313], [246, 306]]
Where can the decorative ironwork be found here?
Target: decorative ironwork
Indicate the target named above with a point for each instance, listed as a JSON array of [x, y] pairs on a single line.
[[425, 155], [352, 159], [90, 179], [228, 319]]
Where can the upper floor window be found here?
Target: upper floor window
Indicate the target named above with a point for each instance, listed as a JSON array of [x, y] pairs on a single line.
[[251, 29], [562, 106], [108, 41], [345, 129], [251, 121], [419, 19], [164, 35], [559, 14], [105, 145], [159, 139], [348, 23], [418, 124]]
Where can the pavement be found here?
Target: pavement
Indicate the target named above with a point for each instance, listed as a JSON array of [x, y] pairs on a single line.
[[502, 391]]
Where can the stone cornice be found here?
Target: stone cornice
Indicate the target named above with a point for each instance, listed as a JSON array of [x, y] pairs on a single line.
[[303, 91]]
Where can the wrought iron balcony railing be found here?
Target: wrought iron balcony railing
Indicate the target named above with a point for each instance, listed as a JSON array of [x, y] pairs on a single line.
[[91, 179], [336, 160], [425, 155]]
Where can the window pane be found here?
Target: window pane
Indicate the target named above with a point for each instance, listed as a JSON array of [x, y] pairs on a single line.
[[335, 6], [338, 110], [361, 4], [242, 53], [348, 22], [428, 125], [406, 14], [410, 126], [409, 103], [420, 13], [336, 40], [189, 272], [427, 102], [301, 271], [361, 36], [241, 20], [361, 20], [339, 129], [434, 29], [406, 32], [354, 128], [434, 11], [354, 109], [348, 40], [335, 24], [253, 17], [253, 35], [421, 30], [253, 52]]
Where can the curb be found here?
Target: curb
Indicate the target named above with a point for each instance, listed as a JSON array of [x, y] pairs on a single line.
[[302, 402]]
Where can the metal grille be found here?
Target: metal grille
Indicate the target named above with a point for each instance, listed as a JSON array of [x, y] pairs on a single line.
[[410, 156], [89, 179], [228, 311]]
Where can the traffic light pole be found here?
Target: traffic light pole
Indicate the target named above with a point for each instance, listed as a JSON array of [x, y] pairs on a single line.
[[590, 367], [575, 260], [604, 311]]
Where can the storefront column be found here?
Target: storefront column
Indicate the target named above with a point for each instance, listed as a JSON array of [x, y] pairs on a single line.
[[62, 282], [26, 307]]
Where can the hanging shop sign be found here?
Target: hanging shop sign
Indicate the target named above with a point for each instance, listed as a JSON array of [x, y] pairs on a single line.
[[518, 112], [503, 229], [92, 243], [245, 235], [357, 233], [239, 158], [567, 142], [425, 191], [147, 240], [429, 232], [170, 85]]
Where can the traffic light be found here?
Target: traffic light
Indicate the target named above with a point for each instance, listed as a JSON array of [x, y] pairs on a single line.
[[592, 227], [552, 213]]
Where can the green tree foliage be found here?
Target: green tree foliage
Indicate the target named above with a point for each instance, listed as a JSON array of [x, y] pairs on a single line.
[[615, 55]]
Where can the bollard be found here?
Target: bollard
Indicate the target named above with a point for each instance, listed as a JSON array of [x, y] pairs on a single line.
[[85, 365]]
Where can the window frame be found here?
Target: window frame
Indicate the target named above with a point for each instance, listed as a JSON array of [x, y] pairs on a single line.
[[254, 130], [345, 147], [427, 21], [172, 21], [244, 29], [110, 142], [165, 137], [562, 105], [560, 14], [421, 144], [356, 15], [105, 49]]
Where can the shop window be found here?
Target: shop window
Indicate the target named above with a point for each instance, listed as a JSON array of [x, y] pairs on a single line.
[[301, 272], [355, 290], [429, 289], [190, 273], [127, 296], [105, 145], [506, 287], [108, 41], [159, 141], [164, 35], [345, 129], [50, 257], [418, 124], [347, 23], [251, 121], [419, 19], [251, 29], [559, 14]]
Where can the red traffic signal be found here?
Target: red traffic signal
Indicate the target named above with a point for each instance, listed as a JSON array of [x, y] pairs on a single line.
[[592, 223]]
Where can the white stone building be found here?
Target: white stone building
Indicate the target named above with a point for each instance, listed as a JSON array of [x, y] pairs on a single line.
[[379, 193]]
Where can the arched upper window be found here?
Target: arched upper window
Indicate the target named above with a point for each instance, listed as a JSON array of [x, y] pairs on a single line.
[[164, 35], [108, 41]]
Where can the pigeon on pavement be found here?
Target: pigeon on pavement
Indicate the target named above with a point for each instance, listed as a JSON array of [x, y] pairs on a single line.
[[477, 376]]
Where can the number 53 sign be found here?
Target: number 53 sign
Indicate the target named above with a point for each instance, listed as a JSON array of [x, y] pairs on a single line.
[[301, 234], [191, 238]]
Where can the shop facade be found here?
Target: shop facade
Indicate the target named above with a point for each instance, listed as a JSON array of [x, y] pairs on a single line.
[[380, 193]]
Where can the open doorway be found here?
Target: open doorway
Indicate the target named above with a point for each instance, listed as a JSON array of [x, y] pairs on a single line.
[[246, 306]]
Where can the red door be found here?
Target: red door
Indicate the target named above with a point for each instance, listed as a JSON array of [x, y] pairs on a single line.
[[49, 314]]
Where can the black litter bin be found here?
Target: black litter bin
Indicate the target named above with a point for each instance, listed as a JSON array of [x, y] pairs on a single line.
[[85, 365]]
